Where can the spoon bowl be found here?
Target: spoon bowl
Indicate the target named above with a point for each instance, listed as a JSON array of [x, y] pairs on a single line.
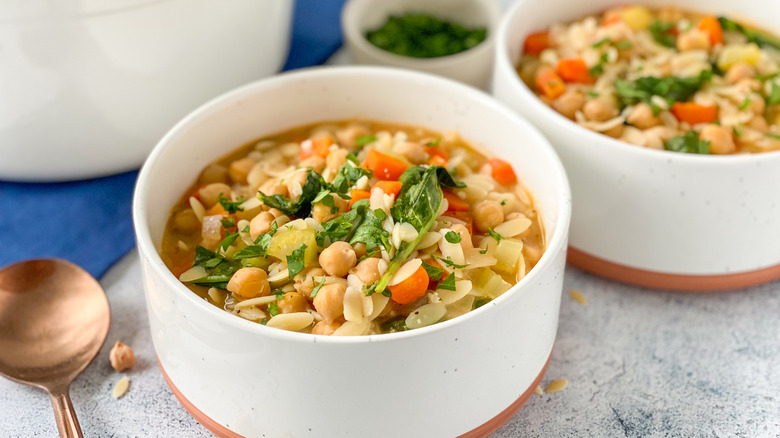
[[54, 317]]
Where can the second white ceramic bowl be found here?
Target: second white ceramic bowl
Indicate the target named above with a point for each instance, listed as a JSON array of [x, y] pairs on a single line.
[[88, 88], [653, 218], [464, 376]]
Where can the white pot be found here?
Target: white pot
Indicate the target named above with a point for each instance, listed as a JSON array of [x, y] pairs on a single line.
[[653, 218], [463, 376], [88, 87]]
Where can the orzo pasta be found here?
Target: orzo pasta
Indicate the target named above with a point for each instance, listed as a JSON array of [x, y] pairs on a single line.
[[661, 78], [353, 228]]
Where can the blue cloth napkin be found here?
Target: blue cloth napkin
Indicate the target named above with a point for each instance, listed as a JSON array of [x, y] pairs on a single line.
[[89, 222]]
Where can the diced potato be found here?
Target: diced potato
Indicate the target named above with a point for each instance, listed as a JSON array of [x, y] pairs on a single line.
[[636, 17], [487, 283], [507, 254], [735, 53], [285, 241]]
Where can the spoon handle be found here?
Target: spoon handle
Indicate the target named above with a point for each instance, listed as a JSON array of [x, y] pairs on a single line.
[[67, 422]]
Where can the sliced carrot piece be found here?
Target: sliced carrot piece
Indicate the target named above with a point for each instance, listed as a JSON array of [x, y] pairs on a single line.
[[574, 70], [502, 172], [549, 83], [437, 161], [711, 26], [385, 167], [437, 151], [409, 290], [357, 195], [536, 43], [454, 203], [389, 187], [693, 113], [318, 146]]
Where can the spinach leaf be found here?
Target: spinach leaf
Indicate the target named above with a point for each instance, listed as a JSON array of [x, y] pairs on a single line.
[[671, 88], [301, 207], [218, 269], [689, 143], [370, 230], [433, 272], [760, 38], [228, 240], [342, 227], [448, 283], [417, 204], [346, 177], [662, 33]]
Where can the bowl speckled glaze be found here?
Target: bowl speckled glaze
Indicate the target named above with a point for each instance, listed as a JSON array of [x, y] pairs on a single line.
[[653, 218], [465, 376]]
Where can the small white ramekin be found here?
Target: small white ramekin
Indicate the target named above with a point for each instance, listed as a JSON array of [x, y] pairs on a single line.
[[653, 218], [464, 377], [472, 66]]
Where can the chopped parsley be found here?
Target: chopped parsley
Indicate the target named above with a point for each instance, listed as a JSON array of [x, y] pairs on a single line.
[[663, 33], [218, 269], [433, 272], [770, 135], [623, 45], [689, 143], [494, 235], [448, 283], [273, 309], [744, 104], [228, 240], [317, 287], [448, 261], [671, 88], [228, 222], [452, 237], [295, 261], [230, 206], [395, 325], [484, 251], [599, 68], [364, 140], [601, 42], [279, 294]]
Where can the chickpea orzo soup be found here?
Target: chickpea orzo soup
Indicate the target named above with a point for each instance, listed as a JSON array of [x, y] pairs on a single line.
[[661, 78], [353, 228]]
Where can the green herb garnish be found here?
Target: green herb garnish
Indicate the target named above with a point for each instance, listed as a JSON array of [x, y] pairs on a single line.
[[479, 302], [218, 269], [745, 103], [273, 309], [662, 33], [433, 272], [317, 287], [774, 95], [448, 261], [448, 283], [311, 189], [395, 325], [760, 38], [671, 88], [295, 262], [364, 140], [230, 206], [279, 294], [494, 235], [775, 136], [424, 36], [452, 237], [689, 143], [228, 240]]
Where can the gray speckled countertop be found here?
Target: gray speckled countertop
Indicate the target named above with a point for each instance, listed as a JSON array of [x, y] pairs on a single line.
[[638, 362]]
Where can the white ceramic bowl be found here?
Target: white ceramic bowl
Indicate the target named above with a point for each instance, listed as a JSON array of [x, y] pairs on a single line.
[[473, 66], [653, 218], [463, 376], [88, 88]]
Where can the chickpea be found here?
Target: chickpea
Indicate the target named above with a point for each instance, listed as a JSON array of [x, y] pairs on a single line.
[[209, 195], [338, 259], [693, 39], [121, 357], [368, 271], [323, 213], [272, 187], [642, 117], [336, 158], [292, 302], [465, 236], [488, 214], [360, 249], [757, 103], [720, 138], [758, 123], [569, 103], [600, 109], [349, 135], [329, 301], [325, 328], [306, 281], [615, 131], [249, 283], [260, 224], [412, 151], [297, 179], [186, 222], [214, 173], [739, 71], [748, 84], [314, 162], [240, 168]]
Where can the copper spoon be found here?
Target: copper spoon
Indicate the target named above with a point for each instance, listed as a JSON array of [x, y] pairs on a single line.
[[54, 317]]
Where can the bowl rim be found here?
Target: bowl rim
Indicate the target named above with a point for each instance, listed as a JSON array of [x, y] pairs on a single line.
[[148, 248], [504, 67], [349, 25]]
